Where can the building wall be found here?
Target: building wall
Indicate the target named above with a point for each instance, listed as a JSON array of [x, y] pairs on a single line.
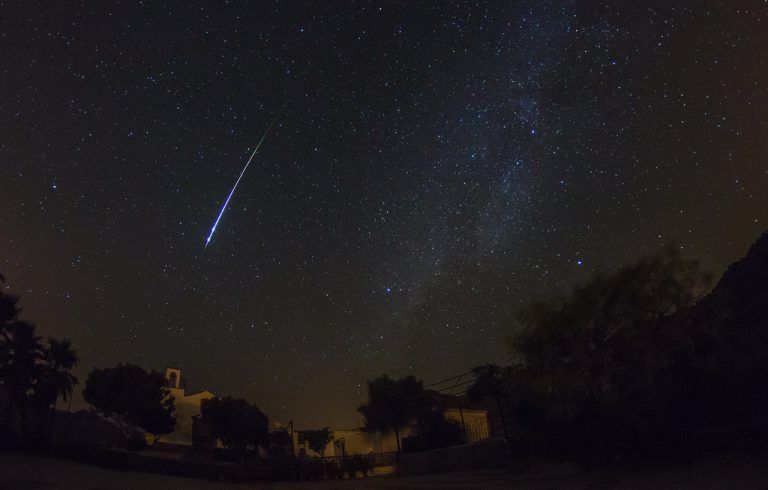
[[354, 441], [357, 441], [186, 407]]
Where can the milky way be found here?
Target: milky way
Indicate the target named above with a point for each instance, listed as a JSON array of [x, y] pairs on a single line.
[[439, 165]]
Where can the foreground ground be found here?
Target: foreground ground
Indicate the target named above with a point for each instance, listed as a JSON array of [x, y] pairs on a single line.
[[742, 471]]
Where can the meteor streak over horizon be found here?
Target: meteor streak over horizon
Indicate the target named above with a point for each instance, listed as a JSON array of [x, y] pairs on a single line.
[[226, 202]]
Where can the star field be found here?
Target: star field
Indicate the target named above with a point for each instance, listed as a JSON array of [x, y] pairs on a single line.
[[434, 166]]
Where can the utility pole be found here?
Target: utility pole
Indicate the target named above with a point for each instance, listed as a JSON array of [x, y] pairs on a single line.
[[296, 464], [293, 447], [503, 422], [463, 425]]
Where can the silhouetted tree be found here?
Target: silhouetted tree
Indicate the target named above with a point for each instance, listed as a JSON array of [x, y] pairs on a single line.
[[435, 430], [9, 310], [20, 369], [599, 360], [129, 395], [236, 422], [318, 440], [489, 382], [30, 372], [157, 422], [59, 358], [393, 403], [357, 462], [496, 383]]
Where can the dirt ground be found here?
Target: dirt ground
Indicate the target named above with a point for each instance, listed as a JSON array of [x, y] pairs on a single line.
[[27, 472]]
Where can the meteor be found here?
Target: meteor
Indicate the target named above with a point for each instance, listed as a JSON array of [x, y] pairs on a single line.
[[224, 207]]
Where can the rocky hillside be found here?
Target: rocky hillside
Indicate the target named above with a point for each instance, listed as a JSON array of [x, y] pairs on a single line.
[[742, 292]]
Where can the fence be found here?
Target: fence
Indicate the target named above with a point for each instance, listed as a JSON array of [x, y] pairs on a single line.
[[477, 430], [374, 460]]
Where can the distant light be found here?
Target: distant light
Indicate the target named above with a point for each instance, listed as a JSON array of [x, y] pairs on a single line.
[[389, 290], [54, 186], [579, 262], [533, 131]]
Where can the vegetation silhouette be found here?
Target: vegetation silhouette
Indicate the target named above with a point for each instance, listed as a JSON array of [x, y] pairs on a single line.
[[392, 404], [638, 361], [133, 397], [397, 403], [240, 425], [642, 360], [33, 375], [318, 440]]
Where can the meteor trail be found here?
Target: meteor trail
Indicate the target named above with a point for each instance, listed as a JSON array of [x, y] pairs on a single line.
[[224, 207]]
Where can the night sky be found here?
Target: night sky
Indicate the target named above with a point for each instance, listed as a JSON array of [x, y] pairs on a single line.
[[433, 166]]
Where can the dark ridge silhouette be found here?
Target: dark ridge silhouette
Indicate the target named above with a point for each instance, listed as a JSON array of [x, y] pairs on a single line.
[[743, 287], [733, 322]]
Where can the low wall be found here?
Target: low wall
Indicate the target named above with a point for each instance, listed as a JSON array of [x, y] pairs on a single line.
[[491, 454], [122, 460]]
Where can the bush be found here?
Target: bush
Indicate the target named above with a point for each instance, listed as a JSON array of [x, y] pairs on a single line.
[[283, 467], [311, 469], [357, 463], [132, 444], [334, 470]]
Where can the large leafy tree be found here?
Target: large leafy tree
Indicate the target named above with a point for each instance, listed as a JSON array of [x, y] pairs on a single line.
[[599, 360], [496, 384], [393, 403], [158, 421], [131, 396], [489, 382], [237, 423], [435, 430]]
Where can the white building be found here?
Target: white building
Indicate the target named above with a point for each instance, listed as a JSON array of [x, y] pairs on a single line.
[[187, 407]]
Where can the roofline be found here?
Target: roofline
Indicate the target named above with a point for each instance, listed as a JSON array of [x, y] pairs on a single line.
[[198, 393]]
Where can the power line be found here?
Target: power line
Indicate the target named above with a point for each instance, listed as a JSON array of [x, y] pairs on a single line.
[[437, 383], [448, 379], [417, 393]]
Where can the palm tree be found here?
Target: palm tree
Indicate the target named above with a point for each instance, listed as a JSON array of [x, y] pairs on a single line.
[[29, 371], [9, 313], [19, 367], [57, 379]]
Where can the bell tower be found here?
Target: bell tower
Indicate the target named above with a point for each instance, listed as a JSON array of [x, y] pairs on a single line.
[[173, 377]]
